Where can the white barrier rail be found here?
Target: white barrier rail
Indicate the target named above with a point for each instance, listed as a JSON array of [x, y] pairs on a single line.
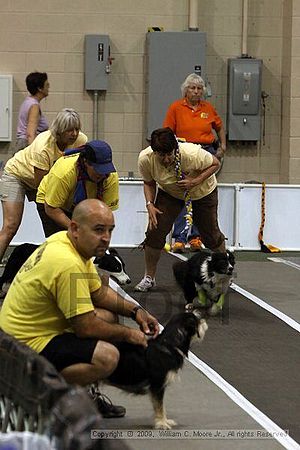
[[239, 216]]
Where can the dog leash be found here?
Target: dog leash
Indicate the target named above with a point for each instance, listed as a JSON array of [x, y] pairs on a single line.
[[266, 248], [187, 198]]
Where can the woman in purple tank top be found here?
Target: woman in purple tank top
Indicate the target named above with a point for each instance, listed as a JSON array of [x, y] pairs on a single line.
[[31, 120]]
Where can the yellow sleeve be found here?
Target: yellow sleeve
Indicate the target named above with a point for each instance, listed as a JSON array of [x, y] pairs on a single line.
[[194, 157], [144, 166], [74, 288], [41, 156], [58, 189]]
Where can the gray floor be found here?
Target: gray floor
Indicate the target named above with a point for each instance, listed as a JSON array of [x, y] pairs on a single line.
[[275, 283], [196, 403]]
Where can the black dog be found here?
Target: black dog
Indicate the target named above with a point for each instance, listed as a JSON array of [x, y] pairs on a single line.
[[206, 277], [111, 262], [148, 370], [15, 261]]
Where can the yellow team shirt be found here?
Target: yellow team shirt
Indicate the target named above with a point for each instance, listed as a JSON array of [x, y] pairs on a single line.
[[53, 285], [57, 188], [41, 153], [194, 159]]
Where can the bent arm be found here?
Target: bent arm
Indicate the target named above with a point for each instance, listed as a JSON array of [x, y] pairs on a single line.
[[57, 215], [38, 175], [107, 298], [189, 182], [32, 123], [91, 325], [149, 191], [222, 137], [206, 173]]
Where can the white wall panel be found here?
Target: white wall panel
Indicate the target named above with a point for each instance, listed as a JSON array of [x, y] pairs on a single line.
[[239, 217]]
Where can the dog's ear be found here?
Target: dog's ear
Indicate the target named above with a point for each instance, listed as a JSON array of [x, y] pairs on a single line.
[[192, 323], [115, 253]]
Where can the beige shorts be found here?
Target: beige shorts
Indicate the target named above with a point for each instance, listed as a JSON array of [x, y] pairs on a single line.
[[13, 190]]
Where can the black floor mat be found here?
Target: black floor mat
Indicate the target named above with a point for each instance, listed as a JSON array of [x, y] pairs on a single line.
[[250, 348]]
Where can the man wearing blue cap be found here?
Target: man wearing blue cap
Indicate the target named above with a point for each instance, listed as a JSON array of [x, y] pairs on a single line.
[[86, 172]]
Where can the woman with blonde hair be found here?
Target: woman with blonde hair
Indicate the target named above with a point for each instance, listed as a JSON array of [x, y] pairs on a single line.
[[24, 171]]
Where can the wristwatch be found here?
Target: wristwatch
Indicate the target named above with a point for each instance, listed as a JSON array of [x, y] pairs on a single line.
[[149, 202], [133, 313]]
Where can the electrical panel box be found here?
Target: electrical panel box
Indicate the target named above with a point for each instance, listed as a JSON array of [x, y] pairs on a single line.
[[171, 57], [244, 94], [97, 62], [6, 91]]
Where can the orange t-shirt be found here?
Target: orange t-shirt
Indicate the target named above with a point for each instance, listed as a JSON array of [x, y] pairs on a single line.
[[194, 126]]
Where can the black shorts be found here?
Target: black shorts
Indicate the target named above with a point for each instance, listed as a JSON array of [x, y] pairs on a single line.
[[49, 226], [67, 349]]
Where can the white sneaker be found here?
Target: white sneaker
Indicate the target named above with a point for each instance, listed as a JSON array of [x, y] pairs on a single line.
[[145, 284]]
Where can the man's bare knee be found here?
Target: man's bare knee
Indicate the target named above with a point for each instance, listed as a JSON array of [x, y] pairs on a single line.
[[105, 358]]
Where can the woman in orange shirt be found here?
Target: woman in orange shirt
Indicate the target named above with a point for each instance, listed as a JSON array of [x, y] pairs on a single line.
[[195, 120]]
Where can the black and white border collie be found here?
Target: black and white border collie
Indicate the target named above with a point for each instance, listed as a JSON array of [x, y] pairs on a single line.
[[111, 263], [207, 273], [149, 370]]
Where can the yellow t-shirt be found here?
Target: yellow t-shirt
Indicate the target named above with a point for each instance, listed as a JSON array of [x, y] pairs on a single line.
[[57, 188], [194, 159], [41, 153], [53, 285]]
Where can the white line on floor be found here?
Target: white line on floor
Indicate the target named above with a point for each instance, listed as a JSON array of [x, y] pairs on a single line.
[[288, 320], [247, 406], [233, 393], [278, 434], [285, 261]]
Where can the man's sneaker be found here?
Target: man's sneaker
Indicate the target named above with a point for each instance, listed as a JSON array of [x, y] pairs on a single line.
[[104, 404], [195, 244], [145, 284], [178, 247]]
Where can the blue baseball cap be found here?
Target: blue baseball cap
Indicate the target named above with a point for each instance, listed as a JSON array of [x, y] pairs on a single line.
[[102, 162]]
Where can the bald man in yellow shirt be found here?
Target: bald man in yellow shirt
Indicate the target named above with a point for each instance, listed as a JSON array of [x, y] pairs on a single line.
[[58, 306]]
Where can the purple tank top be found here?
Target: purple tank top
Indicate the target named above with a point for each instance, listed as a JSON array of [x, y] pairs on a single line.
[[23, 118]]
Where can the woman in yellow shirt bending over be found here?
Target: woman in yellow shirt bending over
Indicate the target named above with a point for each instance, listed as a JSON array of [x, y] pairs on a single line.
[[24, 171], [82, 173]]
